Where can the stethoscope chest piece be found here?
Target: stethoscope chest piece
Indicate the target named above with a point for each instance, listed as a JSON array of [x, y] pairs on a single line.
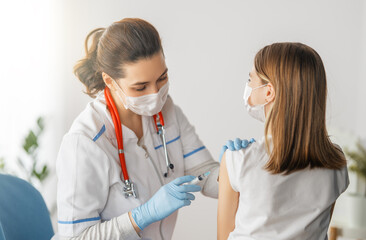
[[129, 189]]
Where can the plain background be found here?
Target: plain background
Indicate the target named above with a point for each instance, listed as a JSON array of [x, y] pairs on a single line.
[[209, 48]]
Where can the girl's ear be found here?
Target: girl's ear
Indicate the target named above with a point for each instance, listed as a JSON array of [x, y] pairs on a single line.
[[108, 81], [270, 94]]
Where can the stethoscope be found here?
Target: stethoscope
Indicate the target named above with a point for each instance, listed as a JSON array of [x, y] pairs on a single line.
[[129, 189]]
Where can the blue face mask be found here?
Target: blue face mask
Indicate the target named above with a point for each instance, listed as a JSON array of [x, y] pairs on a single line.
[[257, 111]]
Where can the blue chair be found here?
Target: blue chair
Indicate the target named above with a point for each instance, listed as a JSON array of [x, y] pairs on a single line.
[[2, 236], [23, 212]]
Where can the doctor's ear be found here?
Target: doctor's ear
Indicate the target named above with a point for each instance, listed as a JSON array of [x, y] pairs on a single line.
[[270, 94], [108, 81]]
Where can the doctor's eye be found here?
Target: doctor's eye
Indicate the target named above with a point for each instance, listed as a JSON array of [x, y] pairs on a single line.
[[141, 89]]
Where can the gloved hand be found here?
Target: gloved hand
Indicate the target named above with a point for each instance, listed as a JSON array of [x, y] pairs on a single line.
[[235, 145], [166, 200]]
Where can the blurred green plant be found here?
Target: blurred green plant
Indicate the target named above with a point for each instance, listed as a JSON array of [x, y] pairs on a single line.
[[29, 163], [31, 147], [359, 160], [2, 164]]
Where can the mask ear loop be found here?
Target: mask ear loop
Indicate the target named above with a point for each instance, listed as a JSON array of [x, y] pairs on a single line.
[[251, 91], [124, 94], [260, 86], [124, 101]]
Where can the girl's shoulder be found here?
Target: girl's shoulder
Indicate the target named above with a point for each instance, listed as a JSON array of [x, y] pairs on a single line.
[[241, 161], [253, 154]]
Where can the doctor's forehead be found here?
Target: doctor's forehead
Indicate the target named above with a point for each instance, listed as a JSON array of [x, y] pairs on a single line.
[[146, 69]]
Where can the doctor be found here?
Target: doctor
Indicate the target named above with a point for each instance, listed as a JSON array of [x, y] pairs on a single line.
[[122, 164]]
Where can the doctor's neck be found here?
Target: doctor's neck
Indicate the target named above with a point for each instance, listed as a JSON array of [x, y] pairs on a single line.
[[128, 118]]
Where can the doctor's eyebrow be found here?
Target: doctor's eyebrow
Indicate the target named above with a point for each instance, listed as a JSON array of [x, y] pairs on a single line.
[[143, 83]]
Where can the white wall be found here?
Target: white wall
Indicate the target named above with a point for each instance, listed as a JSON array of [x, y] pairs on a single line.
[[361, 86], [209, 47]]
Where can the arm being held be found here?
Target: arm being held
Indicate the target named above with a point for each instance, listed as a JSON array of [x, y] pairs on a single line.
[[228, 204]]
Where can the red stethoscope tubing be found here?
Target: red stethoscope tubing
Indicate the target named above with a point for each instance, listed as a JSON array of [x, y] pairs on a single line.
[[161, 119], [118, 129]]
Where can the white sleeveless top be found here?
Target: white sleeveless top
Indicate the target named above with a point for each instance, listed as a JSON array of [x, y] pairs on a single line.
[[296, 206]]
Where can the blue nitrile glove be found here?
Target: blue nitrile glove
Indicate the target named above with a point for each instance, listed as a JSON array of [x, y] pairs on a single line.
[[235, 145], [166, 200]]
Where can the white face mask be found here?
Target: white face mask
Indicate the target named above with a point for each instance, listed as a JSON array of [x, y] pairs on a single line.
[[146, 105], [257, 111]]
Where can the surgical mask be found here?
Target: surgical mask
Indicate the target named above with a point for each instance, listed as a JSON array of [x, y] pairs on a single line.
[[146, 105], [256, 111]]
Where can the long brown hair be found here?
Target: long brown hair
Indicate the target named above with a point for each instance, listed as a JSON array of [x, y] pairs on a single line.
[[297, 120], [125, 41]]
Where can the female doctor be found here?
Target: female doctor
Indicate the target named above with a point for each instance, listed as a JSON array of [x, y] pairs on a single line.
[[122, 165]]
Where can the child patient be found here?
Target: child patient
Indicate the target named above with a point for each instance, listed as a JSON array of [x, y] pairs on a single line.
[[285, 185]]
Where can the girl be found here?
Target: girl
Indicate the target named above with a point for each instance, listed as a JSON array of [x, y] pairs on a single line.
[[285, 185]]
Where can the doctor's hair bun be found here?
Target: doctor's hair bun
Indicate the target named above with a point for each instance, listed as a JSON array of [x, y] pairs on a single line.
[[123, 42], [86, 69]]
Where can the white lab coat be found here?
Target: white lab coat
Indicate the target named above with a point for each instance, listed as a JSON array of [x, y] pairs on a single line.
[[90, 187], [281, 207]]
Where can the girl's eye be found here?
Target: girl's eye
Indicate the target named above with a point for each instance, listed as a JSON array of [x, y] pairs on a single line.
[[163, 78], [249, 80]]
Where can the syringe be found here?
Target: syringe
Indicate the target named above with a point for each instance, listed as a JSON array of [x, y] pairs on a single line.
[[197, 179]]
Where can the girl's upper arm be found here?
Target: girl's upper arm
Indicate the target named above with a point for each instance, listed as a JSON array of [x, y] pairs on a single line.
[[228, 203]]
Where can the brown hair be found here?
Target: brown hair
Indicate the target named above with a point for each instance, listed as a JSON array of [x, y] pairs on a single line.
[[297, 120], [125, 41]]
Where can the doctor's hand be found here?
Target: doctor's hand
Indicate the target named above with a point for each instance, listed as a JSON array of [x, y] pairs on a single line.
[[166, 200], [235, 145]]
